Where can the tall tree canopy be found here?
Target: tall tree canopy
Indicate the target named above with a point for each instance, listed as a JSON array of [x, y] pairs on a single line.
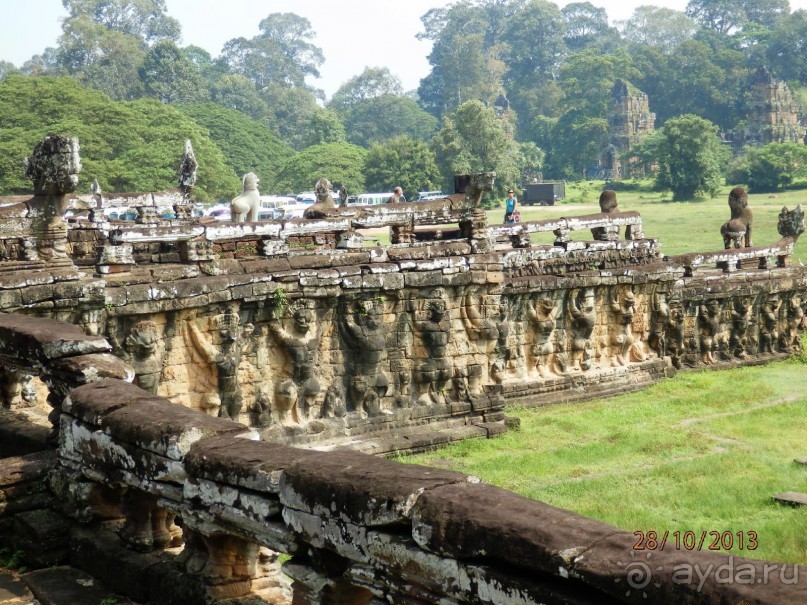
[[341, 163], [401, 162], [691, 157], [473, 139], [281, 54], [127, 146]]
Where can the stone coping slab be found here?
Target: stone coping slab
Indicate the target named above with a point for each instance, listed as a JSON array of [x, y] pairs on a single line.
[[359, 488]]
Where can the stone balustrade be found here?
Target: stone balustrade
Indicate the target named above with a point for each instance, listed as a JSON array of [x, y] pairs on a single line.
[[733, 259], [604, 225], [361, 529]]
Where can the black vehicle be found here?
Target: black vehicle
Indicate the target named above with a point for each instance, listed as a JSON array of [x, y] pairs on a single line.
[[545, 194]]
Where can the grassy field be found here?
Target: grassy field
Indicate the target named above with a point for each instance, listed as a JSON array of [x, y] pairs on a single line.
[[703, 451], [680, 226]]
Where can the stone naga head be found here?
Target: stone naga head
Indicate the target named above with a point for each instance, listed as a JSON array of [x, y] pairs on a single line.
[[54, 165], [791, 222]]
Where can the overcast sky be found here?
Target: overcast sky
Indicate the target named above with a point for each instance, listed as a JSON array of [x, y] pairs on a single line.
[[353, 34]]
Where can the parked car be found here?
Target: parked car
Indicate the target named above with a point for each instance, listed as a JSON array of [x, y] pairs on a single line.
[[371, 199], [425, 196]]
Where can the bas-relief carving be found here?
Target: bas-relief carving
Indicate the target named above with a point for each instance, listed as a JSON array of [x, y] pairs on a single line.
[[143, 348], [366, 338], [301, 344], [222, 348], [739, 337], [583, 319], [433, 372], [542, 312], [710, 330], [625, 348]]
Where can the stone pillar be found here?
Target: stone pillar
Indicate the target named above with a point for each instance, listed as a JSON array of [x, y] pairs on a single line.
[[226, 564]]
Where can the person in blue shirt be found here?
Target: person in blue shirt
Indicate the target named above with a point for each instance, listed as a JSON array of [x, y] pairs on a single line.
[[510, 205]]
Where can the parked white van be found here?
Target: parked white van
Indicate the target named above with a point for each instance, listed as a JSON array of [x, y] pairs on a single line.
[[371, 199]]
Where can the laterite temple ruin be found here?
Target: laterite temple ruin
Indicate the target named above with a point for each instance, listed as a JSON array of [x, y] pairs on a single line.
[[198, 411]]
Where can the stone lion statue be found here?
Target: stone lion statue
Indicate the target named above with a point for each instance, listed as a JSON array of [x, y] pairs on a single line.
[[738, 228], [246, 206]]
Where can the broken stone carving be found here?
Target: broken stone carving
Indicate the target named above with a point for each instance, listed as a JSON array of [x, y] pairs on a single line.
[[54, 167], [246, 206], [298, 395], [433, 372], [583, 315], [791, 222], [187, 170], [366, 338], [710, 326], [324, 204], [737, 230], [542, 313], [222, 349], [143, 349], [608, 205]]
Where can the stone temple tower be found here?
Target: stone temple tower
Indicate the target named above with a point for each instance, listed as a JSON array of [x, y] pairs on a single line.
[[629, 122], [773, 114]]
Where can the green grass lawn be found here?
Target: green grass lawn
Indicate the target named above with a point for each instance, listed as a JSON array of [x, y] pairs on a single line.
[[680, 226], [703, 451]]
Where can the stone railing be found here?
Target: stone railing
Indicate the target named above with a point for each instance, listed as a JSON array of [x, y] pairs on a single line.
[[58, 354], [361, 529], [733, 259], [603, 227]]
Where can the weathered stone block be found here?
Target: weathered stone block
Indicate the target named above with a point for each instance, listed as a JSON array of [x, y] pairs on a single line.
[[466, 521], [358, 488]]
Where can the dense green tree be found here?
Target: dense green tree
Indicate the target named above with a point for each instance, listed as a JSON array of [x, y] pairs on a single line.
[[372, 82], [530, 162], [773, 166], [102, 58], [341, 163], [237, 92], [325, 126], [401, 162], [662, 27], [536, 47], [464, 66], [697, 77], [575, 145], [728, 16], [691, 158], [587, 78], [587, 27], [292, 113], [472, 139], [787, 48], [281, 54], [247, 145], [144, 19], [381, 118], [127, 146], [169, 76]]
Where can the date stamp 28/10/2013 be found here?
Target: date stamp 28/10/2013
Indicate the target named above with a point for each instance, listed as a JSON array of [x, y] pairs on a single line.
[[700, 540]]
